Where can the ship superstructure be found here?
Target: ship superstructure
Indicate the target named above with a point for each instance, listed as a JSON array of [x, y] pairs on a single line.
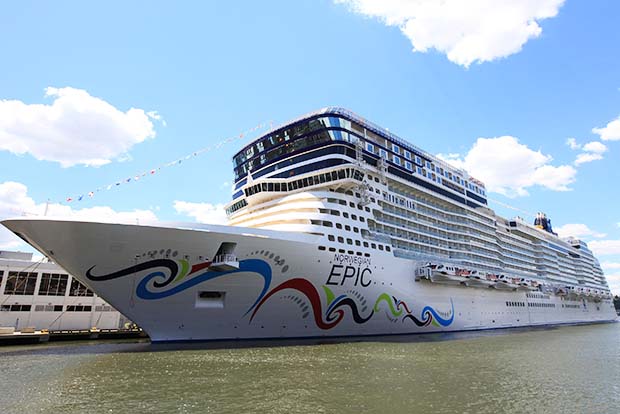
[[337, 227], [400, 197]]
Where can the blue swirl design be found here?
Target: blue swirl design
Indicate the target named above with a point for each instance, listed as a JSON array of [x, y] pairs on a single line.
[[250, 265], [430, 316]]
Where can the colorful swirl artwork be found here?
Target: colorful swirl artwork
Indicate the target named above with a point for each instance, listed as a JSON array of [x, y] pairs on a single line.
[[335, 310], [168, 277]]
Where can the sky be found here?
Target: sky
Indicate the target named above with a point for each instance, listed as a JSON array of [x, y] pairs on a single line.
[[132, 111]]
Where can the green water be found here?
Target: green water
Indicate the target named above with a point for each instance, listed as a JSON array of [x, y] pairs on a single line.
[[561, 370]]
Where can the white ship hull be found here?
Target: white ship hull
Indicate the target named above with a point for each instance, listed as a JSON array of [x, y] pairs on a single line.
[[284, 286]]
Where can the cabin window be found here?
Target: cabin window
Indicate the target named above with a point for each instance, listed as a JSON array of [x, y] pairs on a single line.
[[395, 149], [370, 147], [349, 241], [330, 237]]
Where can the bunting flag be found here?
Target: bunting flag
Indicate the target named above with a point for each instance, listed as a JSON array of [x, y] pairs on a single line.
[[179, 161]]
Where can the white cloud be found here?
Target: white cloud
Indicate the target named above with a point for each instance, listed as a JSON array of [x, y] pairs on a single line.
[[466, 31], [577, 230], [202, 212], [572, 143], [605, 247], [14, 201], [614, 283], [595, 147], [592, 151], [509, 167], [587, 157], [610, 132], [76, 128], [610, 265]]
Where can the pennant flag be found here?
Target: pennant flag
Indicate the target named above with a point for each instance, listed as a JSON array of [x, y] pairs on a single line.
[[178, 161]]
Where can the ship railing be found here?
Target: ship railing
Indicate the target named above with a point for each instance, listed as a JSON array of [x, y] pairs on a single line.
[[224, 258]]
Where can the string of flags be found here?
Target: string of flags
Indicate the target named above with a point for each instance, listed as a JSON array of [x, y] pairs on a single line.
[[152, 171]]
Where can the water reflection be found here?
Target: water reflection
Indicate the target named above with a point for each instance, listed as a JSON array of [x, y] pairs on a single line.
[[568, 370]]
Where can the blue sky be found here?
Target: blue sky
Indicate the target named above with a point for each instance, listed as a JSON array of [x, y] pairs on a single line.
[[497, 87]]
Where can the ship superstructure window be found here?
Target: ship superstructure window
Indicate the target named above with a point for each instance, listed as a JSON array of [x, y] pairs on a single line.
[[79, 308], [370, 147], [383, 153], [395, 149], [78, 289], [408, 155], [408, 165], [304, 182], [15, 308], [396, 160], [20, 283], [53, 284]]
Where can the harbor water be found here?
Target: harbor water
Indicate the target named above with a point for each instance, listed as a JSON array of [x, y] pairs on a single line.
[[573, 369]]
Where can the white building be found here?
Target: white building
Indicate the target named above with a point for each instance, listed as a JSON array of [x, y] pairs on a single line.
[[42, 295]]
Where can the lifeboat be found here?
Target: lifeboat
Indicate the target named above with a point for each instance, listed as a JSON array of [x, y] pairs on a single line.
[[447, 274], [475, 279], [523, 284], [505, 283], [573, 291]]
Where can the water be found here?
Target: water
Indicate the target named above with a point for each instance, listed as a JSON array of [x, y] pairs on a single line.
[[562, 370]]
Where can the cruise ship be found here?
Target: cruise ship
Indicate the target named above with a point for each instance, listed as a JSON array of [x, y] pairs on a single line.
[[337, 227]]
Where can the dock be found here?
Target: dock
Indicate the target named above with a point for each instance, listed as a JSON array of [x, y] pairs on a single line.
[[31, 336]]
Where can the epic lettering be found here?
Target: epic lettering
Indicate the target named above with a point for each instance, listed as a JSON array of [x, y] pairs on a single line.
[[340, 274]]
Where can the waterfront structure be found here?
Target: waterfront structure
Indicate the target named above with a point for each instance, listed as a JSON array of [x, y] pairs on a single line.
[[42, 295], [337, 227]]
